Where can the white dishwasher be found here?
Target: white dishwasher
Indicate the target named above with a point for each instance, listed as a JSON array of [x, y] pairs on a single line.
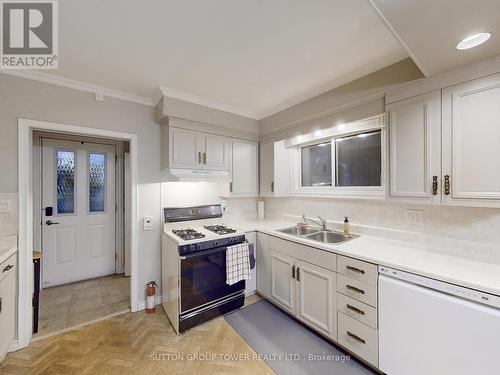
[[432, 327]]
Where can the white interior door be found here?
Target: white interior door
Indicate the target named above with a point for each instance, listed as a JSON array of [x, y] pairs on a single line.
[[78, 236]]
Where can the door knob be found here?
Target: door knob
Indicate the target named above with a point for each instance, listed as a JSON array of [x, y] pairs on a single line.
[[50, 222]]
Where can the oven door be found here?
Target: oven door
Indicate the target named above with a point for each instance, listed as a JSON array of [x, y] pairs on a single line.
[[203, 279]]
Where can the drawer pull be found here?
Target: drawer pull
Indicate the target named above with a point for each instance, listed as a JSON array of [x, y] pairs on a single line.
[[354, 289], [356, 337], [293, 271], [355, 309], [354, 269], [7, 268], [298, 274]]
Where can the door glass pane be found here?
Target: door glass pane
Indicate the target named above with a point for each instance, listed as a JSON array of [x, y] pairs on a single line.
[[65, 184], [359, 160], [317, 165], [97, 169]]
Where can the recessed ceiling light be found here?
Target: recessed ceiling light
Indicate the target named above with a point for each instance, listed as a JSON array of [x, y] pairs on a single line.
[[473, 41]]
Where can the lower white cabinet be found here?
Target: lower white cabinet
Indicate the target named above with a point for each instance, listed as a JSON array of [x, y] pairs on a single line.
[[302, 281], [305, 290], [316, 293], [7, 304], [283, 280], [358, 338]]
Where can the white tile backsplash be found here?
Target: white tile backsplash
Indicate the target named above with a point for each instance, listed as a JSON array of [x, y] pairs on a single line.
[[465, 231]]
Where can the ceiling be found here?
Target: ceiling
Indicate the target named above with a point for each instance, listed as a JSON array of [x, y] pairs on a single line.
[[253, 58], [431, 29]]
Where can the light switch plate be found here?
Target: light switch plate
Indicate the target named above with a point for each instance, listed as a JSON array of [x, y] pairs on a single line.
[[415, 217], [148, 223], [5, 206]]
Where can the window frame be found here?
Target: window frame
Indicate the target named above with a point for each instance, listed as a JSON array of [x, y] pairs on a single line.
[[360, 192]]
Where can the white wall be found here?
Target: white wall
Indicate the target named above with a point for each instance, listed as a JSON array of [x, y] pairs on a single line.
[[22, 98], [470, 232]]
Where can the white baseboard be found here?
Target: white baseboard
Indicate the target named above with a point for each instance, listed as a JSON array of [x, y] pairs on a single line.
[[142, 305]]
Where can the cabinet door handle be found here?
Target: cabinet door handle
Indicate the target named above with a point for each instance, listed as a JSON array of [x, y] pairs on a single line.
[[355, 309], [10, 266], [434, 185], [1, 299], [230, 187], [354, 289], [199, 157], [298, 274], [447, 184], [205, 158], [354, 269], [293, 271], [272, 187], [356, 337]]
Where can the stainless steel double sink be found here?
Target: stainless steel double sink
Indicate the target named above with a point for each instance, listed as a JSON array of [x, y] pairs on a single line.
[[316, 234]]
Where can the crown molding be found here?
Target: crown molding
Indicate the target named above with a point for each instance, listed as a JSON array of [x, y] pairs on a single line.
[[195, 99], [79, 85]]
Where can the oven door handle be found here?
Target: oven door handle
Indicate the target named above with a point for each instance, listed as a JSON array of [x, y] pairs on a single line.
[[203, 253]]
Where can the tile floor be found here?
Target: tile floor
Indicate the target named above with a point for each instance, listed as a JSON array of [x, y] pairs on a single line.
[[73, 304]]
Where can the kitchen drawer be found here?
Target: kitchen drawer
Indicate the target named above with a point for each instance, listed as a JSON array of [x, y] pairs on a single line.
[[358, 338], [357, 290], [8, 267], [357, 269], [357, 310], [311, 255]]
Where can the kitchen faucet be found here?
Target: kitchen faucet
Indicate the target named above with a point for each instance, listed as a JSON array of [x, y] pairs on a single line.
[[321, 223]]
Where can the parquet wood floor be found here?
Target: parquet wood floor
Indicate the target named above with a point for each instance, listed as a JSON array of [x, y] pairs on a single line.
[[139, 343]]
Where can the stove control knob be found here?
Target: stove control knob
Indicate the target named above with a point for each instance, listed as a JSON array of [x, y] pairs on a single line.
[[192, 247], [215, 243]]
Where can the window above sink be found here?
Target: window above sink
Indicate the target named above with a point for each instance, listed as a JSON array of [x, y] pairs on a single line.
[[345, 163]]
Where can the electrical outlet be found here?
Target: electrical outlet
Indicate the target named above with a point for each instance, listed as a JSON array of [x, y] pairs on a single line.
[[5, 206], [415, 217]]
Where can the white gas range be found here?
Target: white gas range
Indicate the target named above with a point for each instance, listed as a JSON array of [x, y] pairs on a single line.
[[194, 246]]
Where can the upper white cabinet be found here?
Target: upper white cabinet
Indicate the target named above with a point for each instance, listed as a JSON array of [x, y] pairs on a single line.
[[415, 148], [443, 145], [244, 168], [186, 149], [471, 136], [274, 169], [191, 155], [216, 153], [267, 168]]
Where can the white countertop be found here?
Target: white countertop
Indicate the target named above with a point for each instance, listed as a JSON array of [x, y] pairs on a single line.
[[8, 246], [422, 260]]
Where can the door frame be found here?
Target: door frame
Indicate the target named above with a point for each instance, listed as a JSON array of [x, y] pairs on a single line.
[[25, 243]]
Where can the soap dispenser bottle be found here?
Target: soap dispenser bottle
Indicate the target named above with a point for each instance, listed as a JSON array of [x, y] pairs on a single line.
[[347, 229]]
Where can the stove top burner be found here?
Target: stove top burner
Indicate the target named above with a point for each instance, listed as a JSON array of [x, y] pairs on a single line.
[[220, 229], [187, 234]]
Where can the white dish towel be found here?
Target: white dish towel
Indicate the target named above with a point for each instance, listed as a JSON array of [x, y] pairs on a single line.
[[237, 263]]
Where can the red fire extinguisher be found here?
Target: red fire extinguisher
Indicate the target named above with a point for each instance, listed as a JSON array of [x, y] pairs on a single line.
[[150, 300]]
